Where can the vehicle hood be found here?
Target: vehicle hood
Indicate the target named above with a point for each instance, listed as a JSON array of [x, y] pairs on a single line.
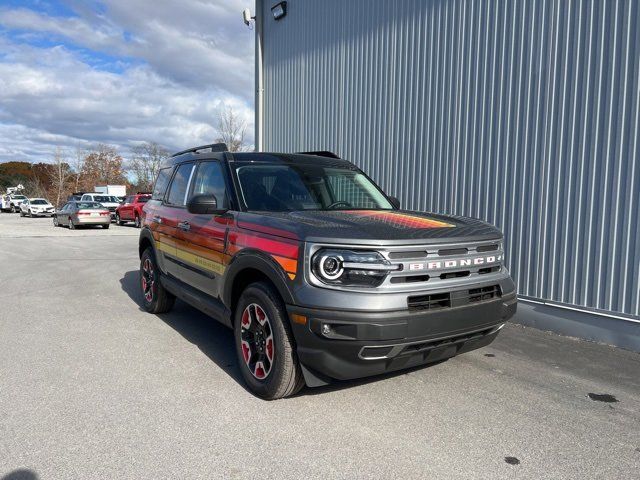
[[369, 227]]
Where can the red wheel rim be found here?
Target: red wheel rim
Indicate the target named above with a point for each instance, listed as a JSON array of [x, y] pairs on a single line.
[[148, 280], [258, 349]]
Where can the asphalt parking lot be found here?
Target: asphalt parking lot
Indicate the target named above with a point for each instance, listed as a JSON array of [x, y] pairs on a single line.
[[91, 386]]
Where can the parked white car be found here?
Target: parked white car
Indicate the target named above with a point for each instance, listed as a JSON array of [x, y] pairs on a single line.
[[35, 207], [110, 202]]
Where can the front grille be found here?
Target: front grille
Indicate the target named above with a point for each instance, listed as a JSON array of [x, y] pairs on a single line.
[[483, 293], [457, 298], [428, 266], [434, 301]]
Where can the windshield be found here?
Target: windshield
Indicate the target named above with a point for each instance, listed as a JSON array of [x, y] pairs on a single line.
[[143, 199], [89, 206], [105, 198], [278, 188], [38, 201], [19, 197]]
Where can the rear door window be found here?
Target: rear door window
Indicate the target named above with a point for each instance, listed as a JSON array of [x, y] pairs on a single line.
[[179, 185]]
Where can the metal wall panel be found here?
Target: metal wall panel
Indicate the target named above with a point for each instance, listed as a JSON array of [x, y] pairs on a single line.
[[523, 113]]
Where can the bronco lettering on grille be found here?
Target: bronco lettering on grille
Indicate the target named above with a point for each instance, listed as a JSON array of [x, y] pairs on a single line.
[[454, 263]]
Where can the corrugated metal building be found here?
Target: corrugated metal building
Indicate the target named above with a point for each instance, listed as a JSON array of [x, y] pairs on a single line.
[[523, 113]]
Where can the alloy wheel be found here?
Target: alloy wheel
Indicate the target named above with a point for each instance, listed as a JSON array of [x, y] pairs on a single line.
[[147, 280], [257, 341]]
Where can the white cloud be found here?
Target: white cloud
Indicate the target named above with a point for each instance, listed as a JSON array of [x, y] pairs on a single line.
[[179, 63]]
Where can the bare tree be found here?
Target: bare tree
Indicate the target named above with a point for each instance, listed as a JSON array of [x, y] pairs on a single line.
[[78, 167], [60, 174], [146, 163], [103, 166], [34, 187], [231, 129]]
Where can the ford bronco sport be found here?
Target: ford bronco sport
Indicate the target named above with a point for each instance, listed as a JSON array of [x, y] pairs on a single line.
[[318, 272]]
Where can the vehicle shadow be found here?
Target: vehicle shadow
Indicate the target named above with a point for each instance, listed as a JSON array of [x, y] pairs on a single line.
[[20, 474], [216, 341], [212, 338]]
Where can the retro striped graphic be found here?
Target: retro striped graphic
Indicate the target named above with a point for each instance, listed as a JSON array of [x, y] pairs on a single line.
[[283, 251], [211, 257], [402, 219]]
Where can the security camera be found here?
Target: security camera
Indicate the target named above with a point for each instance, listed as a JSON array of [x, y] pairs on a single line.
[[246, 16]]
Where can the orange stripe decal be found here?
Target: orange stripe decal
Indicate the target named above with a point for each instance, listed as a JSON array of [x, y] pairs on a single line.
[[405, 220]]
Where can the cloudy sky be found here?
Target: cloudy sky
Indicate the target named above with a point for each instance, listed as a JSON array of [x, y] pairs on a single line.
[[78, 72]]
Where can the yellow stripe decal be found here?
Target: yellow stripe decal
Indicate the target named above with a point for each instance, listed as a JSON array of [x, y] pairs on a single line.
[[165, 248], [201, 262]]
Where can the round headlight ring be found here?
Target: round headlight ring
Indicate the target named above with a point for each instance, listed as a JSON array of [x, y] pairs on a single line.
[[330, 267]]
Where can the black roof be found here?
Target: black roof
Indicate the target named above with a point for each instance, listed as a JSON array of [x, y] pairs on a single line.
[[267, 157]]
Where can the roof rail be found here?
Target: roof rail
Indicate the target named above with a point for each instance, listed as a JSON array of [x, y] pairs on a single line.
[[215, 147], [321, 153]]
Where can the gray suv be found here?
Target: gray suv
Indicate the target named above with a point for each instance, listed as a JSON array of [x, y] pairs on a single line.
[[319, 273]]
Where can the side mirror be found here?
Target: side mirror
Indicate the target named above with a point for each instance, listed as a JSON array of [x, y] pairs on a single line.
[[204, 204], [395, 202]]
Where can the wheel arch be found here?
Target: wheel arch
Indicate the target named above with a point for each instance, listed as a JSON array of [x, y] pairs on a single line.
[[146, 241], [251, 266]]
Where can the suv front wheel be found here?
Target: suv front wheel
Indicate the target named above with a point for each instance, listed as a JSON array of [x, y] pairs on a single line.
[[264, 344]]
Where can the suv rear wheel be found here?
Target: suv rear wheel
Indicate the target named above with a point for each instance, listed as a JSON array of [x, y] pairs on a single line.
[[155, 298], [264, 344]]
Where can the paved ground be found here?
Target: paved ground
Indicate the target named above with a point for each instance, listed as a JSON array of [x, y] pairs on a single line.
[[93, 387]]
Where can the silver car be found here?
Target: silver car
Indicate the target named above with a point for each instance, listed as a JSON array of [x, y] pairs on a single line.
[[76, 214]]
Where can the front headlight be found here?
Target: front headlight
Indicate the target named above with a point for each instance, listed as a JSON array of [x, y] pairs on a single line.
[[350, 268]]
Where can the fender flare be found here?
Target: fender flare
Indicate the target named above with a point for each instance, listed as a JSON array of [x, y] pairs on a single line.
[[145, 234], [257, 260]]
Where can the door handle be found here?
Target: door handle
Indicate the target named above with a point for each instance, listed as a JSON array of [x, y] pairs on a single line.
[[157, 219], [184, 226]]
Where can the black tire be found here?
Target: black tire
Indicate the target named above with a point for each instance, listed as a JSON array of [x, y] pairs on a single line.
[[137, 221], [106, 226], [160, 300], [71, 224], [118, 221], [21, 213], [284, 377], [30, 214], [55, 221]]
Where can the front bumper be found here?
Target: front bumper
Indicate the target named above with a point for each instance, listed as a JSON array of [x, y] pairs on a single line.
[[353, 344]]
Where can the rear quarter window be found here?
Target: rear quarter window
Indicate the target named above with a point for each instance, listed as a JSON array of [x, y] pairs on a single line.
[[162, 182]]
